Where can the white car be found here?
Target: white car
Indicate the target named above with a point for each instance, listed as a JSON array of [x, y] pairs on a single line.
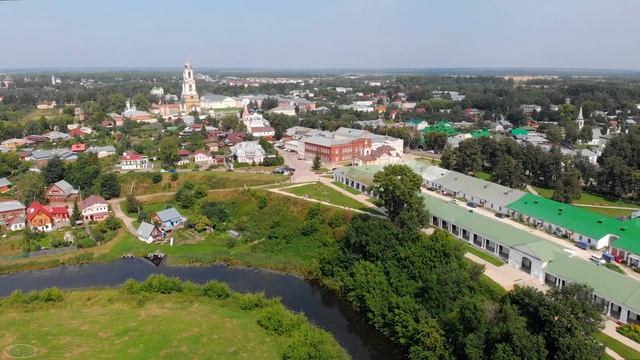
[[597, 260]]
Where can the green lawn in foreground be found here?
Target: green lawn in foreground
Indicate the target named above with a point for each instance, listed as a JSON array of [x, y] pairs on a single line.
[[483, 255], [347, 188], [110, 324], [322, 192], [620, 348]]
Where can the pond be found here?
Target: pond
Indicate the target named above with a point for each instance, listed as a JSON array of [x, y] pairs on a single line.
[[320, 305]]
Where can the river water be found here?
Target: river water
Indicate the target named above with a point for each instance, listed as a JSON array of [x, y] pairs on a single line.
[[320, 305]]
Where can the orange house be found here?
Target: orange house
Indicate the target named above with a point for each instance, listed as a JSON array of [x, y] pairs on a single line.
[[39, 217]]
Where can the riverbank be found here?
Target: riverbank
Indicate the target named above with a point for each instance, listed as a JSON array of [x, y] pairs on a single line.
[[322, 306], [161, 319]]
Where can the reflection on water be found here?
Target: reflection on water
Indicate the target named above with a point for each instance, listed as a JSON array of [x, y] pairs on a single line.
[[320, 305]]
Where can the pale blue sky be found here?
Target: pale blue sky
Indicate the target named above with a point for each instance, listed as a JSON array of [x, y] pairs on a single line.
[[321, 33]]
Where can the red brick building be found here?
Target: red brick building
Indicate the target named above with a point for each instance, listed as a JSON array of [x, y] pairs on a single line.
[[332, 150], [61, 191]]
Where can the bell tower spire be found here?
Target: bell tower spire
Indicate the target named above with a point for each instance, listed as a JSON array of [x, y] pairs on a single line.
[[190, 99]]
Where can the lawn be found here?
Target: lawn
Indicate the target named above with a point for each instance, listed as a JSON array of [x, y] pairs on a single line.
[[111, 324], [272, 237], [324, 193], [615, 345], [142, 184], [614, 267], [588, 198], [482, 175], [609, 212], [483, 255], [347, 188]]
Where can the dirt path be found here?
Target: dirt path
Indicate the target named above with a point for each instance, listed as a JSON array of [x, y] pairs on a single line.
[[532, 190]]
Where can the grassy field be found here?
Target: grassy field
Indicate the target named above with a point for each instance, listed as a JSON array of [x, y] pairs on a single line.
[[620, 348], [324, 193], [271, 237], [593, 199], [482, 175], [141, 183], [347, 188], [38, 113], [112, 324], [483, 255]]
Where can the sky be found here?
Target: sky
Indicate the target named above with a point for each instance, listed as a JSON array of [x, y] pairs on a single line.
[[304, 34]]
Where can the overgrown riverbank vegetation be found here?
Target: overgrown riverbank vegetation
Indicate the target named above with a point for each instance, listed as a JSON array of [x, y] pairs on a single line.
[[160, 318]]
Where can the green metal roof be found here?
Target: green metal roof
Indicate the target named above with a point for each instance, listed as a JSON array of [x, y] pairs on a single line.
[[519, 131], [492, 229], [480, 133], [581, 221], [443, 127], [605, 282], [576, 219]]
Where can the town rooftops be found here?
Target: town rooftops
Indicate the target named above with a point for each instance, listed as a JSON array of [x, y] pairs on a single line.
[[35, 208], [11, 205], [131, 156], [573, 218], [605, 283], [66, 188], [169, 214], [92, 200], [441, 127], [4, 182], [492, 229], [62, 153], [145, 230], [482, 189], [102, 149], [247, 148]]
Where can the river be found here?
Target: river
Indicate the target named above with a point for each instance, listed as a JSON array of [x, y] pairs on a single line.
[[320, 305]]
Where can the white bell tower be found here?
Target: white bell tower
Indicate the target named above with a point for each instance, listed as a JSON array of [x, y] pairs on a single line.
[[580, 119], [190, 99]]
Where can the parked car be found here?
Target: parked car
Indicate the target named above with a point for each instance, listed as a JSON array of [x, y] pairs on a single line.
[[472, 205], [597, 260], [608, 257], [501, 215], [619, 259]]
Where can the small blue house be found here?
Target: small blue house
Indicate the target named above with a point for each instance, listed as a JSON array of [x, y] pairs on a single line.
[[168, 219]]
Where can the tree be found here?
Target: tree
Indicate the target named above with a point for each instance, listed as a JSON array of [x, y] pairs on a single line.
[[509, 172], [108, 185], [230, 122], [83, 173], [567, 318], [168, 153], [468, 157], [140, 101], [54, 171], [448, 158], [586, 134], [269, 103], [117, 103], [399, 189], [132, 205], [435, 141], [317, 163], [571, 133], [75, 214], [31, 187], [554, 134], [568, 188], [615, 177]]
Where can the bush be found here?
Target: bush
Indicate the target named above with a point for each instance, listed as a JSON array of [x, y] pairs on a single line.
[[277, 320], [312, 344], [174, 176], [161, 284], [58, 243], [632, 331], [253, 301], [156, 178], [215, 290], [85, 242], [49, 295]]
